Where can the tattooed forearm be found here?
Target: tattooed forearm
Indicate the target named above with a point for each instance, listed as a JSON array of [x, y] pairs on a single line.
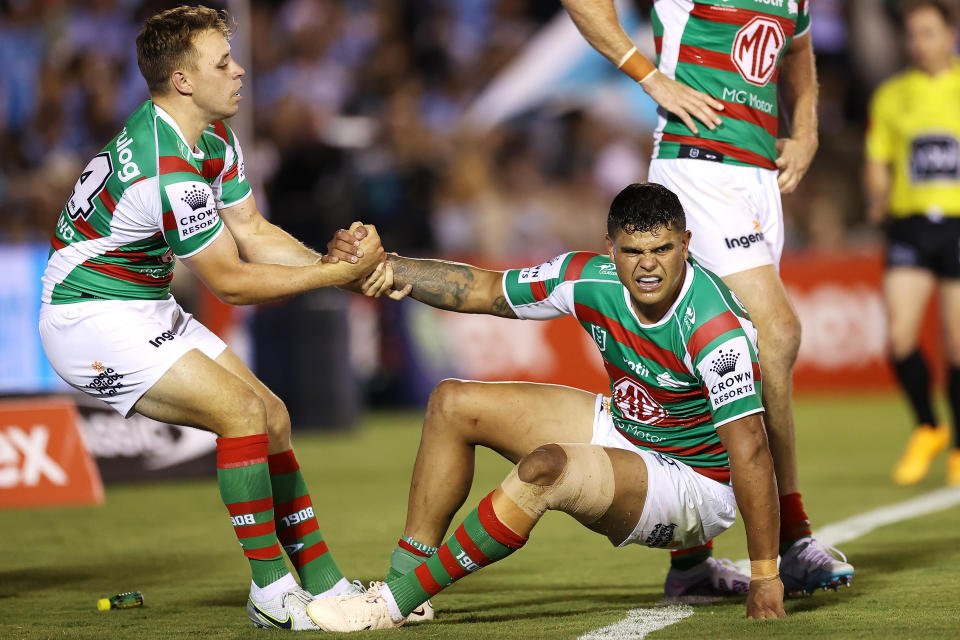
[[501, 308], [445, 285], [451, 285]]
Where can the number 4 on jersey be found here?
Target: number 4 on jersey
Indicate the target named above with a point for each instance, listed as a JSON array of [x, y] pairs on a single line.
[[91, 183]]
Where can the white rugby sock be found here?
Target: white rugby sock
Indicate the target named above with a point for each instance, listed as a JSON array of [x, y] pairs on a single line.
[[341, 587], [392, 607], [272, 590]]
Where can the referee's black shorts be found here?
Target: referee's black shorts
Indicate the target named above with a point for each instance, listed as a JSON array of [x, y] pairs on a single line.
[[919, 241]]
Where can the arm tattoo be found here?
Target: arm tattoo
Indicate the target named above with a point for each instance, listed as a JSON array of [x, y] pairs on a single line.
[[446, 285], [501, 308]]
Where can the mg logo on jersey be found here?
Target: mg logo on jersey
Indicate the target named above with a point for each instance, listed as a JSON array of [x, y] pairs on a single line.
[[635, 402], [756, 48]]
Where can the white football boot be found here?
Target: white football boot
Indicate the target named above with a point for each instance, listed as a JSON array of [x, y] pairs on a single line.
[[711, 577], [342, 588], [286, 610], [423, 613], [353, 613], [809, 565]]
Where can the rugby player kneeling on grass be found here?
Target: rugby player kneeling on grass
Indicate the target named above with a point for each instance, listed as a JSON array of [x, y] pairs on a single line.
[[171, 184], [664, 462]]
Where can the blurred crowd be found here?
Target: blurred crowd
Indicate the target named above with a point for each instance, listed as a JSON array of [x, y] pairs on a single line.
[[357, 114]]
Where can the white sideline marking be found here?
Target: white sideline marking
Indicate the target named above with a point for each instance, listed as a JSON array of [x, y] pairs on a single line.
[[640, 622], [856, 526]]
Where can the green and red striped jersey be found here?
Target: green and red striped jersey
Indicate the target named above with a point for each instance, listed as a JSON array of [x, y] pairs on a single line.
[[731, 50], [143, 200], [671, 383]]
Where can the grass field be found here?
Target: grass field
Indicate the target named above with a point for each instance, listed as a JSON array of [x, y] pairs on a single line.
[[173, 542]]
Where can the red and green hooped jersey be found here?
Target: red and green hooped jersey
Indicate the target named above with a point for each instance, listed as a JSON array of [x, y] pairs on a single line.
[[143, 200], [731, 50], [671, 383]]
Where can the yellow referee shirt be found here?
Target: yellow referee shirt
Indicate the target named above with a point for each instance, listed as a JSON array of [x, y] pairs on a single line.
[[914, 126]]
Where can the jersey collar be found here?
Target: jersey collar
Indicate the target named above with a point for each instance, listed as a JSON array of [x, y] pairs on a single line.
[[166, 117], [687, 281]]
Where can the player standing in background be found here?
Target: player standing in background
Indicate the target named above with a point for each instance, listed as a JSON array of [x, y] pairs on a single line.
[[171, 184], [658, 463], [733, 55], [913, 186]]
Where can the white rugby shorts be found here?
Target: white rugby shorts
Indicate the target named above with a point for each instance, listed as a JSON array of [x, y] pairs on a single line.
[[115, 350], [734, 212], [683, 509]]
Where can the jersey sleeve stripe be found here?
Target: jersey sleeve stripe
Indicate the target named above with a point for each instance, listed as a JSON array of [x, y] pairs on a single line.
[[176, 164], [640, 345], [108, 202], [738, 17], [711, 330], [232, 172], [212, 168], [236, 202], [738, 416], [725, 148], [576, 264], [756, 372], [539, 290]]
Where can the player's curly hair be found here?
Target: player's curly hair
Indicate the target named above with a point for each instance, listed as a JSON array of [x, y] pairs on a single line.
[[166, 41], [644, 207]]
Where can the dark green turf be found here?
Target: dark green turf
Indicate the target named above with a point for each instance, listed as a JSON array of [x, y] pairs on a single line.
[[173, 542]]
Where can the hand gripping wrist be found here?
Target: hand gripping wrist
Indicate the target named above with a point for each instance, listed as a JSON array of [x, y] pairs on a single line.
[[636, 66], [763, 570]]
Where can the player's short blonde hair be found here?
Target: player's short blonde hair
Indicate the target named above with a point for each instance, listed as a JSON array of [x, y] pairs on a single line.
[[166, 42]]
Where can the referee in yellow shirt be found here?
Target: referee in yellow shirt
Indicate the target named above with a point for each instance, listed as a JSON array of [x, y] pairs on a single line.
[[912, 177]]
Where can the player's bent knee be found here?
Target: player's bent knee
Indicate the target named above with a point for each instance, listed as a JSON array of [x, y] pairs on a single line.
[[247, 416], [581, 481], [446, 396], [543, 465], [277, 416]]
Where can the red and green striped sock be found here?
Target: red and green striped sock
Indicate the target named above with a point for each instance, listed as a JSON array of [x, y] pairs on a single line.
[[297, 526], [685, 558], [481, 540], [244, 481], [407, 556], [794, 523]]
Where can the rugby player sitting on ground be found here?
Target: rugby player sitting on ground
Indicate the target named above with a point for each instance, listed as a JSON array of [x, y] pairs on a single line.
[[660, 463]]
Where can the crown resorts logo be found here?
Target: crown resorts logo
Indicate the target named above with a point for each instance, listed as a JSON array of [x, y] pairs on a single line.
[[724, 363], [195, 198]]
